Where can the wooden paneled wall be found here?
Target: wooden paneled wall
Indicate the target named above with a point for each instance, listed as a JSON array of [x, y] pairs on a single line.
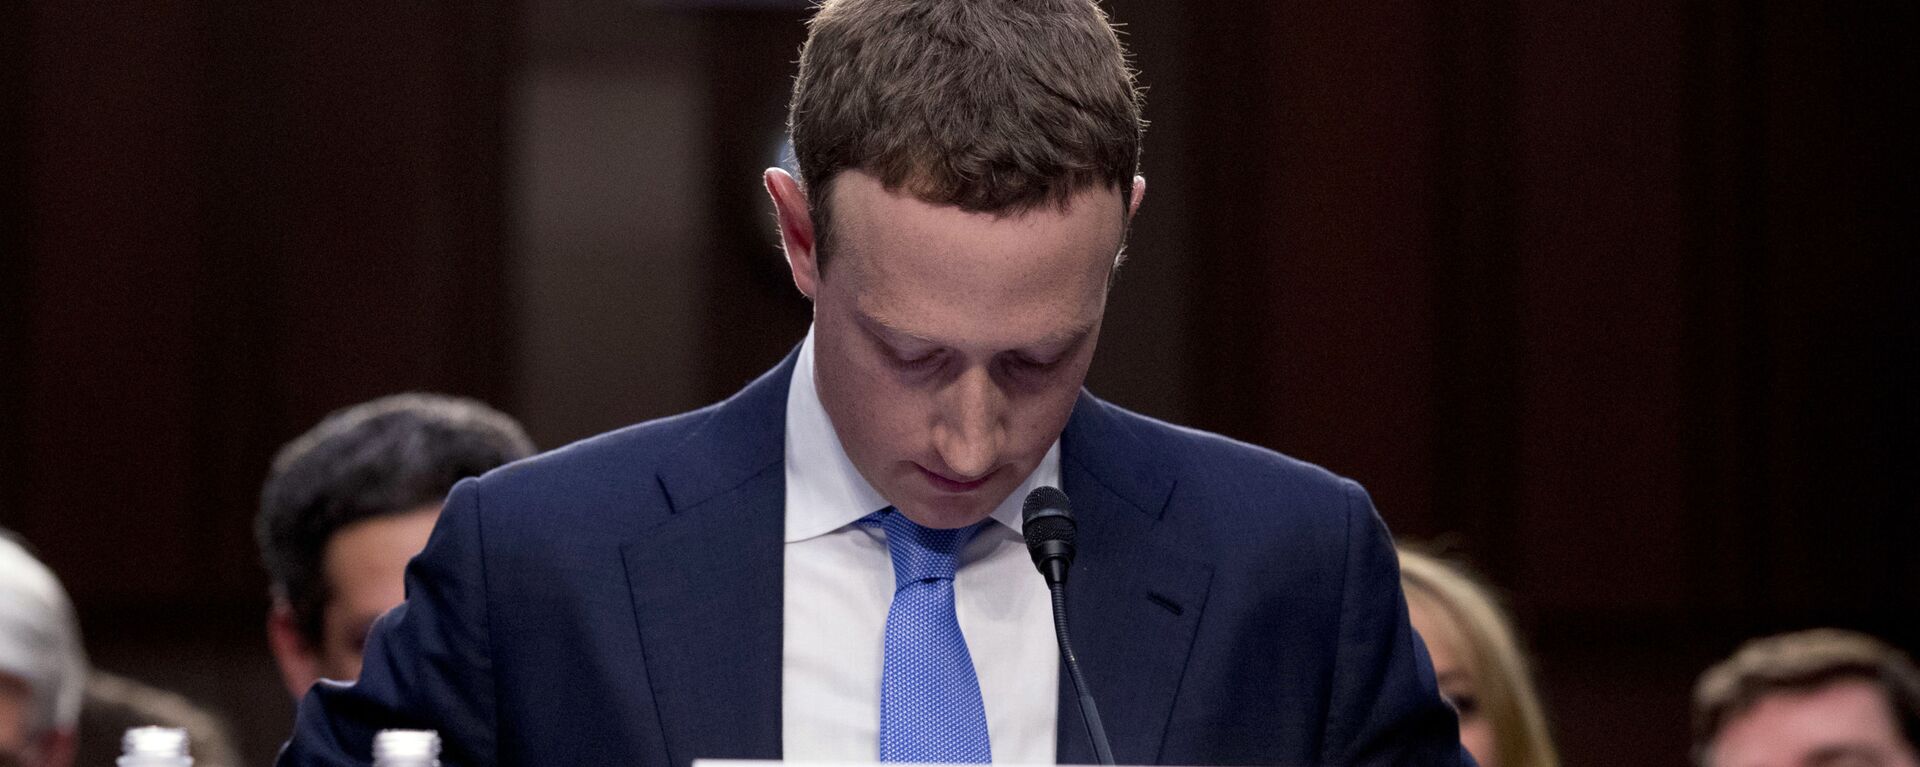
[[235, 219], [1618, 299], [221, 221]]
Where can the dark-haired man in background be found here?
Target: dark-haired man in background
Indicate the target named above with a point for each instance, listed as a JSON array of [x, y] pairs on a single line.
[[829, 566], [348, 503]]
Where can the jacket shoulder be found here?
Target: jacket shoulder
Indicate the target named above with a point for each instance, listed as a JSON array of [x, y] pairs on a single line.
[[602, 484], [1243, 497], [1227, 470], [627, 451]]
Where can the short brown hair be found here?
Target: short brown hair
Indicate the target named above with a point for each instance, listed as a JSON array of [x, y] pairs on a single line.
[[992, 106], [1800, 662]]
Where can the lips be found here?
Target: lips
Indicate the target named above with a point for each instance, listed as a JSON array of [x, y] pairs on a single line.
[[946, 484]]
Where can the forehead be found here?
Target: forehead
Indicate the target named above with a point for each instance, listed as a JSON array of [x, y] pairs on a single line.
[[900, 258], [1441, 632], [368, 558], [1839, 717]]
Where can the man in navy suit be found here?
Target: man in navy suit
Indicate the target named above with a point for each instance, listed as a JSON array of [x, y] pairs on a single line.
[[751, 580]]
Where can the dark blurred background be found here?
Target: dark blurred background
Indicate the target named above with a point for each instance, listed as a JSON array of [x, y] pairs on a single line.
[[1616, 299]]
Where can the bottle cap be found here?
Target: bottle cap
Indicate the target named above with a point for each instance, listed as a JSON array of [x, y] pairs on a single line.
[[154, 745], [406, 746]]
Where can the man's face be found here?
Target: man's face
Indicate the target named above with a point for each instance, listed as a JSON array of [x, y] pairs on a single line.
[[1844, 724], [365, 566], [950, 346]]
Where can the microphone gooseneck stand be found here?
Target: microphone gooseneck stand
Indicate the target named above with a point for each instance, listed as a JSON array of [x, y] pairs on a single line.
[[1048, 525], [1089, 713]]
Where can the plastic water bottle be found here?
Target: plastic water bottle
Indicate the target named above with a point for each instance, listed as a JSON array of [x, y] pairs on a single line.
[[406, 748], [154, 747]]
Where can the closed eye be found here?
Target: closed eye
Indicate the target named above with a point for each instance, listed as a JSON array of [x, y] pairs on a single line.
[[1030, 363], [925, 361], [1024, 371], [1465, 705]]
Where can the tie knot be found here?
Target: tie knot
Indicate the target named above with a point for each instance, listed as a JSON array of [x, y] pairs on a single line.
[[919, 553]]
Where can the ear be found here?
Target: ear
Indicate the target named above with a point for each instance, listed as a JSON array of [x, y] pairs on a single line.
[[1133, 206], [298, 659], [796, 229]]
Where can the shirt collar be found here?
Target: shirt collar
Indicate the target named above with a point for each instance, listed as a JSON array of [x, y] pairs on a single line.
[[825, 492]]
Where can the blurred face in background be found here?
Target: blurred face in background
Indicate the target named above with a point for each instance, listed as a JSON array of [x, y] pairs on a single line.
[[1458, 676], [16, 704], [365, 567], [19, 745], [1843, 724]]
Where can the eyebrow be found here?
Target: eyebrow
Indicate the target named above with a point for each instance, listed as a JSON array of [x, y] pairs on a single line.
[[880, 326], [1844, 755]]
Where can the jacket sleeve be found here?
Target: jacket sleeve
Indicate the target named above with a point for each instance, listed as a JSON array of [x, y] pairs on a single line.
[[428, 662], [1385, 706]]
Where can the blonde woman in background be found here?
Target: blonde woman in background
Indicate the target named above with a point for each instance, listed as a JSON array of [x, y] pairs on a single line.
[[1482, 671]]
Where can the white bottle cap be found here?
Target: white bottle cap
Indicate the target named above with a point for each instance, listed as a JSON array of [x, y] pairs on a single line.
[[406, 747], [144, 746]]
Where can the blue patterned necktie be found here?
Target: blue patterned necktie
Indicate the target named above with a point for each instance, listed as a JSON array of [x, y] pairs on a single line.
[[930, 706]]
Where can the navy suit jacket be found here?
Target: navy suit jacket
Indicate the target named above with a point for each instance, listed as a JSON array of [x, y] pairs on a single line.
[[618, 602]]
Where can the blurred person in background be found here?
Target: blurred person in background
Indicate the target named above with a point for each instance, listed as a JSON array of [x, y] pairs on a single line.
[[1483, 672], [54, 710], [1816, 698], [43, 667], [115, 704], [348, 503]]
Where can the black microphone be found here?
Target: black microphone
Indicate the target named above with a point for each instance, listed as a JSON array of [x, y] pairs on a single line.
[[1047, 521]]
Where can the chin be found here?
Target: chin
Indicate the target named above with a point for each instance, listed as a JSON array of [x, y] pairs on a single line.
[[946, 512]]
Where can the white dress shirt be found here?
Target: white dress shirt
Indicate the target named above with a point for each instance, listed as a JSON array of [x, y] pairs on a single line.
[[839, 585]]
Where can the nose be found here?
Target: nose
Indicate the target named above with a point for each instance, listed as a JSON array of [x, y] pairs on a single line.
[[971, 424]]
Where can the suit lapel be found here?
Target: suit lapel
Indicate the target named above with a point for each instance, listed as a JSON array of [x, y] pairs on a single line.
[[707, 583], [1133, 604]]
